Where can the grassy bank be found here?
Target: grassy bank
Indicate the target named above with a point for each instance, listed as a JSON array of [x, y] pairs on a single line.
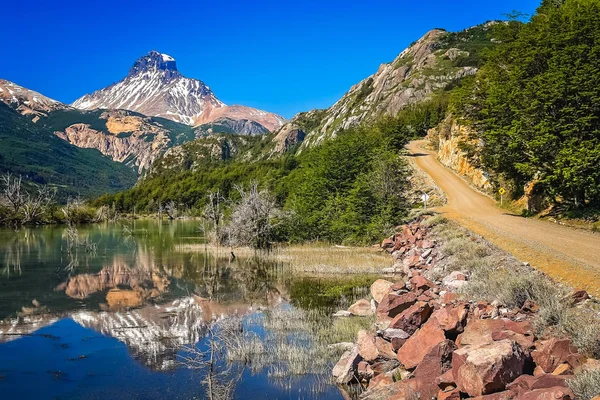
[[497, 276]]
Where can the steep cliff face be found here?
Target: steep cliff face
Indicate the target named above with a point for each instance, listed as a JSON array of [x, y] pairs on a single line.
[[124, 136], [458, 149], [426, 67]]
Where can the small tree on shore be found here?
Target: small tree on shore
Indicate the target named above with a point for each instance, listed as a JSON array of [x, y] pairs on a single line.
[[26, 207], [253, 218], [213, 213]]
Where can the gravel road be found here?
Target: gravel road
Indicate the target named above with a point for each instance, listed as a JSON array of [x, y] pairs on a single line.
[[568, 255]]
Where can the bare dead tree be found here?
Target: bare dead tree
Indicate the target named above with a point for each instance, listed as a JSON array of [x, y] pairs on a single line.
[[26, 207], [13, 192], [253, 218], [221, 378], [171, 210], [35, 205], [213, 212], [72, 208]]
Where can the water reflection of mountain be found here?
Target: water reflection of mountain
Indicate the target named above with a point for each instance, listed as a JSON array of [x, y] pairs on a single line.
[[134, 288]]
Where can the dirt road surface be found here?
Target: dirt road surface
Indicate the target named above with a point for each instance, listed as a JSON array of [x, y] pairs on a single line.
[[568, 255]]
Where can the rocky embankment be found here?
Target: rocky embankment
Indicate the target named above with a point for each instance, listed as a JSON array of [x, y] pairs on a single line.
[[430, 343]]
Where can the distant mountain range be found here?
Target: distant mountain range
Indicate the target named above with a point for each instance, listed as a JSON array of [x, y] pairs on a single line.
[[133, 123], [155, 108]]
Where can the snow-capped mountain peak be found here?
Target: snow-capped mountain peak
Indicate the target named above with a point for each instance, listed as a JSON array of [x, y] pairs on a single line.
[[155, 87]]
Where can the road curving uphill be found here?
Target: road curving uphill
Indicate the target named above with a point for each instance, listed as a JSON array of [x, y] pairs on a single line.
[[568, 255]]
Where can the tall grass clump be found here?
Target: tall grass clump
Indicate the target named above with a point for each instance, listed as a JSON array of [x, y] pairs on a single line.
[[586, 385]]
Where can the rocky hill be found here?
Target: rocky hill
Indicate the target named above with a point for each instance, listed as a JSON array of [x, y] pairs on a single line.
[[155, 87], [26, 101], [427, 67], [40, 157]]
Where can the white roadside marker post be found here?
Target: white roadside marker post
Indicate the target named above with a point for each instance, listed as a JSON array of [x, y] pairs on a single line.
[[425, 197]]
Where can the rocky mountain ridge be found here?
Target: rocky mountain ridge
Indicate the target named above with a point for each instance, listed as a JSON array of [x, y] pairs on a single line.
[[426, 68], [27, 102], [155, 87]]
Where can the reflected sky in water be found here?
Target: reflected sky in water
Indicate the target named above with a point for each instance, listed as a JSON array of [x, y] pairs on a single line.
[[105, 311]]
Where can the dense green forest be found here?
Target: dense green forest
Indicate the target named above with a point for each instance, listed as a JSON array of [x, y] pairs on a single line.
[[348, 190], [535, 103]]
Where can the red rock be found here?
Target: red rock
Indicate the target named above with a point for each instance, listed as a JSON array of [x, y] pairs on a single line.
[[420, 283], [421, 343], [446, 380], [435, 363], [366, 346], [412, 318], [506, 395], [449, 297], [526, 342], [555, 393], [385, 349], [397, 343], [393, 304], [380, 288], [579, 296], [530, 306], [549, 354], [397, 390], [364, 370], [452, 319], [453, 394], [563, 369], [361, 308], [479, 331], [387, 244], [487, 368], [527, 383], [413, 261], [380, 380]]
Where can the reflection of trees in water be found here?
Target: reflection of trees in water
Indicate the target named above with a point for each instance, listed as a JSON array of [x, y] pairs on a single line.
[[21, 246]]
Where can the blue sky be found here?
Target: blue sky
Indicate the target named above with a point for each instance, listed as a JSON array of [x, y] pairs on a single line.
[[281, 56]]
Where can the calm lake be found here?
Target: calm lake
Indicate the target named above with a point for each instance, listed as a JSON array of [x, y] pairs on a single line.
[[124, 311]]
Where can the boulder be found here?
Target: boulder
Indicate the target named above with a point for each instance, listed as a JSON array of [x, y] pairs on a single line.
[[563, 369], [364, 371], [398, 390], [380, 288], [380, 380], [452, 319], [393, 304], [446, 380], [387, 244], [391, 333], [420, 283], [366, 346], [555, 393], [385, 349], [549, 354], [452, 394], [487, 368], [527, 383], [412, 318], [506, 395], [361, 308], [343, 371], [435, 363], [480, 331], [420, 344], [455, 280], [579, 296]]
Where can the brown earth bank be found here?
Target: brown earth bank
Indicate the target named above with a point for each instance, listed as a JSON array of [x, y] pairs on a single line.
[[568, 255], [434, 339]]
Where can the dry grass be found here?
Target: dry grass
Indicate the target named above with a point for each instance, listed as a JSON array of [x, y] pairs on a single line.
[[586, 385], [310, 258], [495, 275]]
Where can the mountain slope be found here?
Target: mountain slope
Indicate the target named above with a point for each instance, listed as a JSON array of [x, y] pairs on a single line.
[[26, 101], [34, 152], [427, 67], [155, 87]]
